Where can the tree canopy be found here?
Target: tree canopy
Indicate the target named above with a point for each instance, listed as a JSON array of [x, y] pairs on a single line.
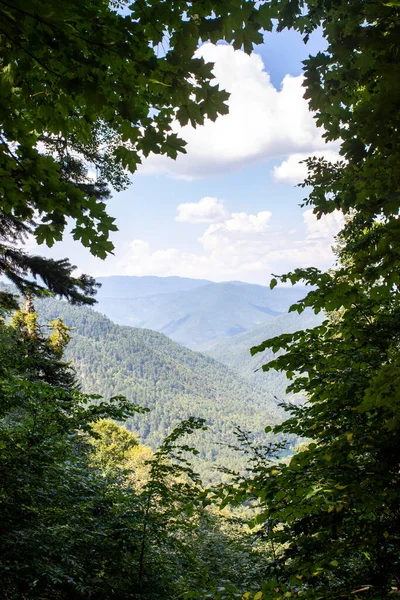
[[87, 89], [333, 509], [87, 510]]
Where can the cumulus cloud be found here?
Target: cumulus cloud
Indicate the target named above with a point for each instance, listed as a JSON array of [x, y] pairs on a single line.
[[294, 170], [207, 210], [263, 123], [243, 246], [235, 233], [324, 228], [249, 223]]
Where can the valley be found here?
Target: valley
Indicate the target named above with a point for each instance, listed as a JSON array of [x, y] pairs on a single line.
[[175, 382]]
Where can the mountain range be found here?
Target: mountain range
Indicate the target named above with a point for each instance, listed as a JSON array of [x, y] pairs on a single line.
[[219, 384], [193, 312]]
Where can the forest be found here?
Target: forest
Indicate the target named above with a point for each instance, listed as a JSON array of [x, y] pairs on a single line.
[[173, 382], [89, 509]]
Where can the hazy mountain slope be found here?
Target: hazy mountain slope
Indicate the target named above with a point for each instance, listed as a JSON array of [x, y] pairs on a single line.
[[198, 316], [235, 351], [172, 381]]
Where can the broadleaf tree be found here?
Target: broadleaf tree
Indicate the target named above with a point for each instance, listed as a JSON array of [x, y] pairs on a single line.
[[87, 89], [60, 532], [333, 509]]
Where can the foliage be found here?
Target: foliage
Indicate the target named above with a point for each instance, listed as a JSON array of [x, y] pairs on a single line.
[[87, 511], [35, 275], [173, 382], [333, 509], [94, 87], [186, 549], [234, 352], [111, 444], [59, 521], [90, 85]]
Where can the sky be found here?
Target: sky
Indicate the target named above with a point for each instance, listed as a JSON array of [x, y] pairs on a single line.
[[229, 208]]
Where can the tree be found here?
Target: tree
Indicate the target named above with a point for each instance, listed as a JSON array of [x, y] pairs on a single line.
[[333, 509], [60, 529], [94, 87], [184, 548], [111, 444], [86, 510]]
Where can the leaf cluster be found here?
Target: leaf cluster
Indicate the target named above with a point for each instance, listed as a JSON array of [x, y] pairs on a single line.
[[332, 509], [87, 90]]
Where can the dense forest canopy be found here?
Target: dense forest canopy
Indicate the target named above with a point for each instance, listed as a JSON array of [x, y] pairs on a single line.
[[90, 84], [86, 510]]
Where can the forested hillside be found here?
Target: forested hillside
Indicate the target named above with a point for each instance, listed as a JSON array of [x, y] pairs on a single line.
[[193, 315], [88, 511], [172, 381], [235, 352]]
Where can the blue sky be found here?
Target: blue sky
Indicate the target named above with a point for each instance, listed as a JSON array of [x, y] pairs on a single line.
[[229, 209]]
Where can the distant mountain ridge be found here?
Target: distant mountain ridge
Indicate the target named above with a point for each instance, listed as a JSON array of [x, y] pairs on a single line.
[[175, 382], [193, 312], [133, 286]]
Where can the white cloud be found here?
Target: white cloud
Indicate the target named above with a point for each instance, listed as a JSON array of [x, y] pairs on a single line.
[[263, 123], [235, 233], [242, 246], [326, 227], [207, 210], [293, 170]]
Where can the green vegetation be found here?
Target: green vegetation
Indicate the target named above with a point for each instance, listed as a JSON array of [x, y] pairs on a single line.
[[234, 352], [86, 510], [95, 86], [74, 523], [173, 382], [54, 509], [333, 510]]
